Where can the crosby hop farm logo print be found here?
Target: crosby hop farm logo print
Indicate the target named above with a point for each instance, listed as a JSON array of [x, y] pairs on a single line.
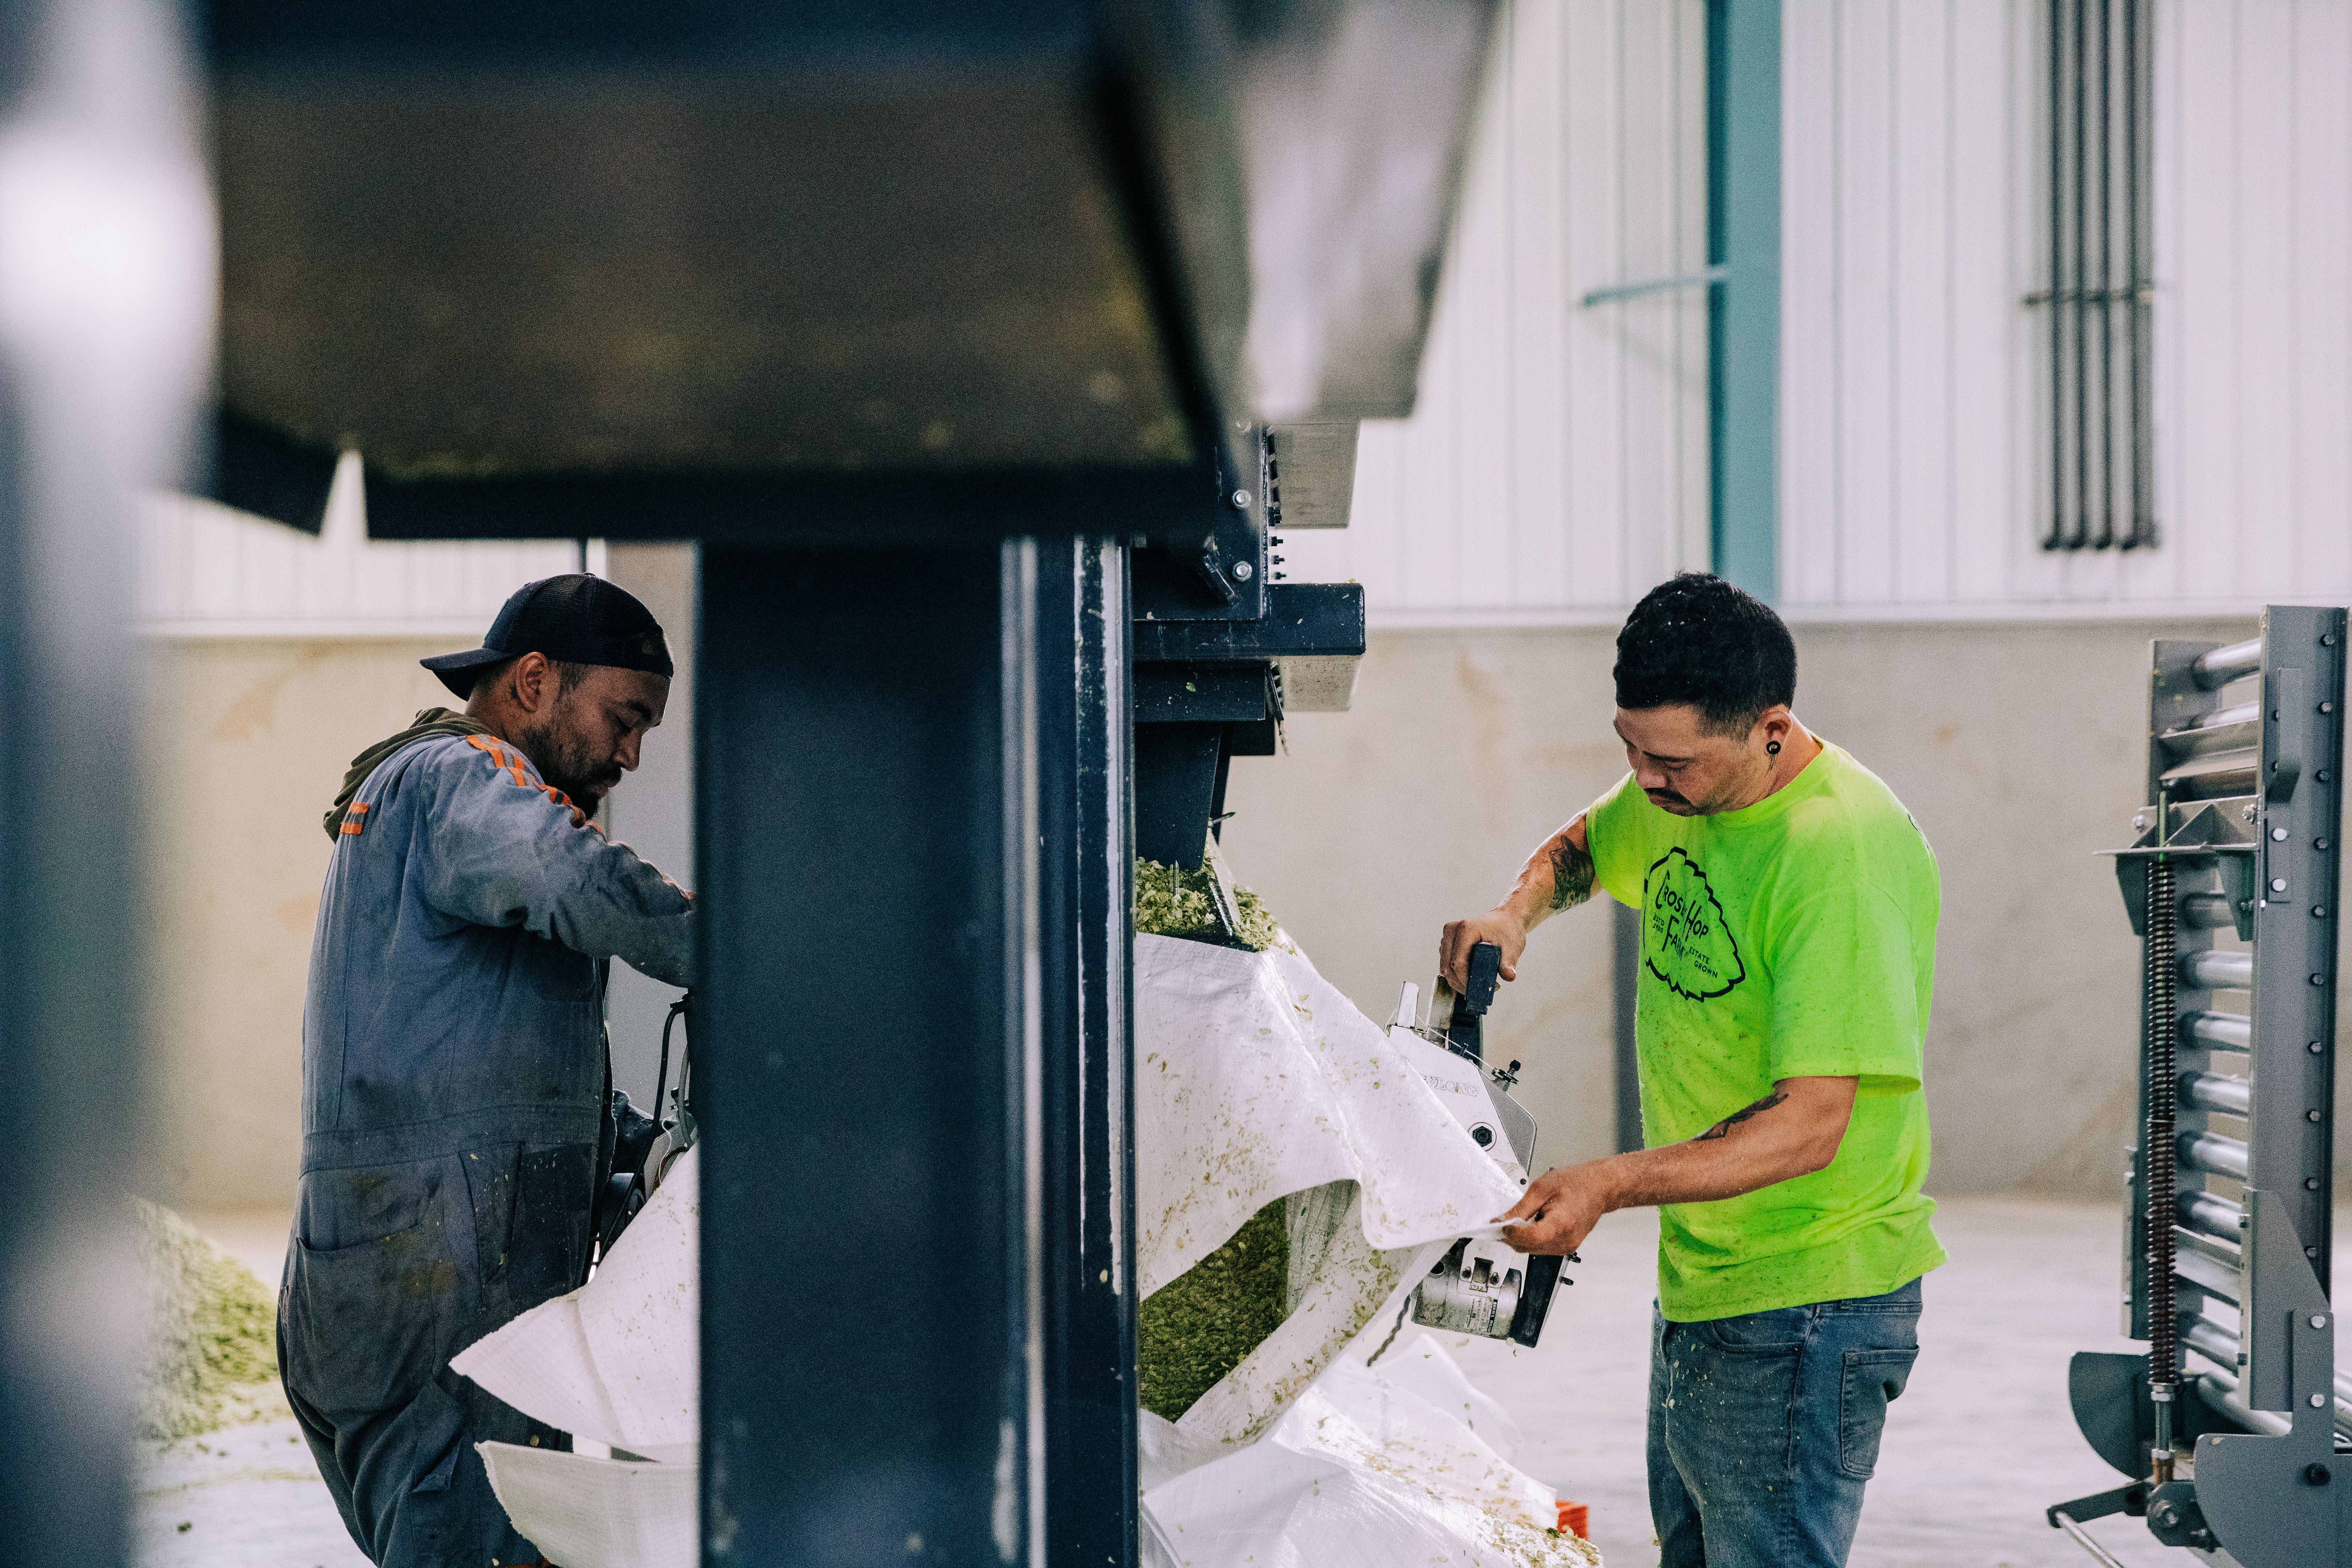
[[1688, 945]]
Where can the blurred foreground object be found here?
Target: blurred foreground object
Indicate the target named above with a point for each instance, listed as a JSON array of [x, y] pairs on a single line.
[[106, 307]]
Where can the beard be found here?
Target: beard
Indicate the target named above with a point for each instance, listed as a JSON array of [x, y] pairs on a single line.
[[566, 760]]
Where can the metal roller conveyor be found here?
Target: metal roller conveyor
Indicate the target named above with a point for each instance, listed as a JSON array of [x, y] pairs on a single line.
[[2209, 1275], [2238, 835], [2217, 1092], [2209, 1215], [2220, 1344], [2230, 1254], [2211, 1152], [2211, 774], [2218, 1031], [2213, 670], [2209, 911], [2218, 971]]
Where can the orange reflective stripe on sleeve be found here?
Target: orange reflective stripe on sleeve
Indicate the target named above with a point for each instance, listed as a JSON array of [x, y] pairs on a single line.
[[512, 763]]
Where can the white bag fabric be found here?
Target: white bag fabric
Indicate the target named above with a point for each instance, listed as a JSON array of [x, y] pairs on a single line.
[[1256, 1079], [617, 1360], [584, 1512], [1365, 1470]]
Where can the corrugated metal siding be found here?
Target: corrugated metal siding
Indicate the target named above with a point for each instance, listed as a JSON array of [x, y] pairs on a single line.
[[205, 571], [1914, 439], [1556, 463], [1557, 466]]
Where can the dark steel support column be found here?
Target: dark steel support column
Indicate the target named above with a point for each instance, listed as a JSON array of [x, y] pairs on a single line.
[[866, 1056], [1087, 1097], [912, 1056]]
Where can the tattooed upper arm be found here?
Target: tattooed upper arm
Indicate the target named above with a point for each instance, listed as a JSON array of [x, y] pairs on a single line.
[[1723, 1128], [1571, 873]]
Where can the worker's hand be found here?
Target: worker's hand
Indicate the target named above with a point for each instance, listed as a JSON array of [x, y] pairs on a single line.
[[1559, 1209], [1501, 927]]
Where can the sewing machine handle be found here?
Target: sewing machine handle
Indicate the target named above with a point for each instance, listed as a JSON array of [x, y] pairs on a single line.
[[1485, 969]]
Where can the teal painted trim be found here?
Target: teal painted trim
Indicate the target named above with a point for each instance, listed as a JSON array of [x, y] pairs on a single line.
[[1744, 336]]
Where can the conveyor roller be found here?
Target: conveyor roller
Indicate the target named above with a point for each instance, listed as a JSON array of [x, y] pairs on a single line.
[[2212, 1216], [2208, 911], [2218, 971], [2218, 1031], [2211, 671], [2217, 1092], [2211, 1152]]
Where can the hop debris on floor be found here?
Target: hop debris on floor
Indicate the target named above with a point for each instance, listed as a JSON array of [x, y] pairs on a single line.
[[2029, 1284]]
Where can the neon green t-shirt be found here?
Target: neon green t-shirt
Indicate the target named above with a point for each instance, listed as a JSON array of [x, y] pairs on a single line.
[[1795, 938]]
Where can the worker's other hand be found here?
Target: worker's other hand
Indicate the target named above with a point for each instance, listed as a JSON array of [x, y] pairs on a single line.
[[1558, 1210], [1501, 927]]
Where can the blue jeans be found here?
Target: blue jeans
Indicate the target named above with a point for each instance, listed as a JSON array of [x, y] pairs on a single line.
[[1763, 1428]]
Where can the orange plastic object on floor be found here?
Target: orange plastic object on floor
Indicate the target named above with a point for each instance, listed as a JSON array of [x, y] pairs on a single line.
[[1575, 1519]]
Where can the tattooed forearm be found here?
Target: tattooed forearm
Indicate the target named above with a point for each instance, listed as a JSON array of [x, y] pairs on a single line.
[[1723, 1128], [1571, 873]]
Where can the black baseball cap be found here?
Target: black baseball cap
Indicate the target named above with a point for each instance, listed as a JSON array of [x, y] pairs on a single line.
[[572, 619]]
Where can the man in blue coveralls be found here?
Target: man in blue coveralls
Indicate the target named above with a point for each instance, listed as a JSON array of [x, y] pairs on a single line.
[[456, 1109]]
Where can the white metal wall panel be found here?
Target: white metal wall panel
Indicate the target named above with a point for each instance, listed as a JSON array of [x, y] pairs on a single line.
[[1555, 466], [205, 571], [1914, 417]]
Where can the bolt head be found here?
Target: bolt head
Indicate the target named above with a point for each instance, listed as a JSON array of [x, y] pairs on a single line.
[[2319, 911], [2278, 884], [2316, 1401], [1244, 570], [1241, 499], [2140, 821], [2318, 1320], [2312, 1115], [2278, 832]]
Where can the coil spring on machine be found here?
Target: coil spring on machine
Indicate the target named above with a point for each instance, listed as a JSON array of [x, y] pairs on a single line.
[[2160, 1021]]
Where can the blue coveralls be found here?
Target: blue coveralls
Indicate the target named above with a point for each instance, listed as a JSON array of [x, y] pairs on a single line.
[[453, 1089]]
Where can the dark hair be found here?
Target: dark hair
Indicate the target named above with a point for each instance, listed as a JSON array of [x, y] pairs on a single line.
[[1697, 640]]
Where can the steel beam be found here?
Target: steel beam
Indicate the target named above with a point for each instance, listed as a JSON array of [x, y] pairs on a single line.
[[912, 1047], [1085, 1094]]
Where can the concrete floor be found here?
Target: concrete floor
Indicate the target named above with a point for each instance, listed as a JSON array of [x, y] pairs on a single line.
[[1979, 1444], [1976, 1448]]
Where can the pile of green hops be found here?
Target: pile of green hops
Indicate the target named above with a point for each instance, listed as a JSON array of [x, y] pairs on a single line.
[[211, 1329], [1196, 1328], [1171, 902]]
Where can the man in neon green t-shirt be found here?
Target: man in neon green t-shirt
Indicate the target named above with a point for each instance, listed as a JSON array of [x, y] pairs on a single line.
[[1789, 909]]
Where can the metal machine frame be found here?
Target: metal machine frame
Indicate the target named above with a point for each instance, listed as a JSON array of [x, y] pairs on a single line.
[[2229, 1188]]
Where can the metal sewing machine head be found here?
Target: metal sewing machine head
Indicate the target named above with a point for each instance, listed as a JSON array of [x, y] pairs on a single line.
[[1482, 1285]]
